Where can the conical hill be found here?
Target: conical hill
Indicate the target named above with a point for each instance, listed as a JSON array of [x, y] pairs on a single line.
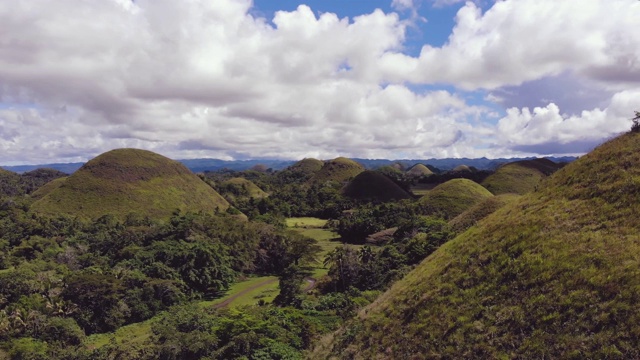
[[123, 181], [338, 170], [453, 197], [519, 177], [419, 170], [553, 275], [373, 185]]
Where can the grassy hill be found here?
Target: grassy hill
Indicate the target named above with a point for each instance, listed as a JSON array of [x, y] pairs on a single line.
[[373, 185], [338, 170], [419, 170], [129, 180], [307, 166], [452, 198], [480, 210], [9, 183], [519, 177], [554, 275], [241, 189]]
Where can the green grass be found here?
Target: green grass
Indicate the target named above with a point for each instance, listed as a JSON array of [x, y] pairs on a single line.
[[136, 333], [127, 180], [554, 274], [519, 177], [479, 211], [337, 170], [266, 292], [305, 222], [452, 198]]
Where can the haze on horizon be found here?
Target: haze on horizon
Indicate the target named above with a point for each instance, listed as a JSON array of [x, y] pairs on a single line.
[[238, 79]]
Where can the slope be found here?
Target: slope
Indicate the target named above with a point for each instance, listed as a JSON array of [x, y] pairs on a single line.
[[480, 210], [372, 185], [419, 170], [241, 189], [129, 180], [519, 177], [452, 198], [555, 274], [338, 170]]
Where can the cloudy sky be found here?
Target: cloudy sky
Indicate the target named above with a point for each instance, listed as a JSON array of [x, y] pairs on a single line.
[[238, 79]]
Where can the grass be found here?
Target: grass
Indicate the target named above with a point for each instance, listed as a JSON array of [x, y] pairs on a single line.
[[452, 198], [250, 296], [305, 222], [422, 189], [519, 177], [479, 211], [136, 333], [127, 180], [337, 170], [554, 274]]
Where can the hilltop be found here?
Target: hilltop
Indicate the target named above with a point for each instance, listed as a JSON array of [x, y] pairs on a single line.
[[130, 180], [452, 198], [554, 274], [519, 177], [373, 185], [338, 170], [242, 189], [419, 170]]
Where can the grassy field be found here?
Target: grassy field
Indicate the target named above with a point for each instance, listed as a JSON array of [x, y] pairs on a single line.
[[248, 292], [130, 334], [305, 222]]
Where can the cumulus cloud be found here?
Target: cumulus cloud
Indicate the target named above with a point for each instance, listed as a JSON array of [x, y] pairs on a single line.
[[518, 41], [547, 130], [204, 78]]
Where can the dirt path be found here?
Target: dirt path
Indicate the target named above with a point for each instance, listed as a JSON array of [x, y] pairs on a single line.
[[311, 286], [228, 300]]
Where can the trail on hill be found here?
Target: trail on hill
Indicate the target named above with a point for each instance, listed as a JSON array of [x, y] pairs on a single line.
[[312, 284], [230, 299]]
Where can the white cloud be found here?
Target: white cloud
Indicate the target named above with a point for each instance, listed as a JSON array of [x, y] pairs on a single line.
[[518, 41], [207, 78]]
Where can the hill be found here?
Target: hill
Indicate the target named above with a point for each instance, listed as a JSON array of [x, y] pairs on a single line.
[[240, 189], [480, 210], [452, 198], [419, 170], [555, 274], [9, 183], [373, 185], [338, 170], [129, 180], [519, 177], [307, 166]]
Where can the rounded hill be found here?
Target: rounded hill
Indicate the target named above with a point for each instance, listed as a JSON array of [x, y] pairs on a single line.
[[307, 166], [452, 198], [126, 181], [338, 170], [554, 274], [373, 185], [519, 177], [419, 170], [241, 189]]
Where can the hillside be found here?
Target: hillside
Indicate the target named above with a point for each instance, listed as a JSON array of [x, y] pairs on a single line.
[[452, 198], [307, 166], [419, 170], [241, 189], [480, 210], [555, 274], [129, 180], [374, 186], [9, 183], [519, 177], [338, 170]]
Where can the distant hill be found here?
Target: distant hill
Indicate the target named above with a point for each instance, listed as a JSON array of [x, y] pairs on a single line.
[[374, 186], [201, 165], [240, 189], [452, 198], [338, 170], [554, 275], [419, 170], [519, 177], [130, 180], [12, 184], [9, 183]]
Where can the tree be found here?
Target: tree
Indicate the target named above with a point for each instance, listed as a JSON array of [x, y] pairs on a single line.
[[636, 122]]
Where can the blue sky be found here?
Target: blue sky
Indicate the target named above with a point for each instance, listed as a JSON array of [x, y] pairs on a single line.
[[322, 78]]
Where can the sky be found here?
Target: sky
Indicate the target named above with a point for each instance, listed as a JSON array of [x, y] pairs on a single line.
[[241, 79]]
